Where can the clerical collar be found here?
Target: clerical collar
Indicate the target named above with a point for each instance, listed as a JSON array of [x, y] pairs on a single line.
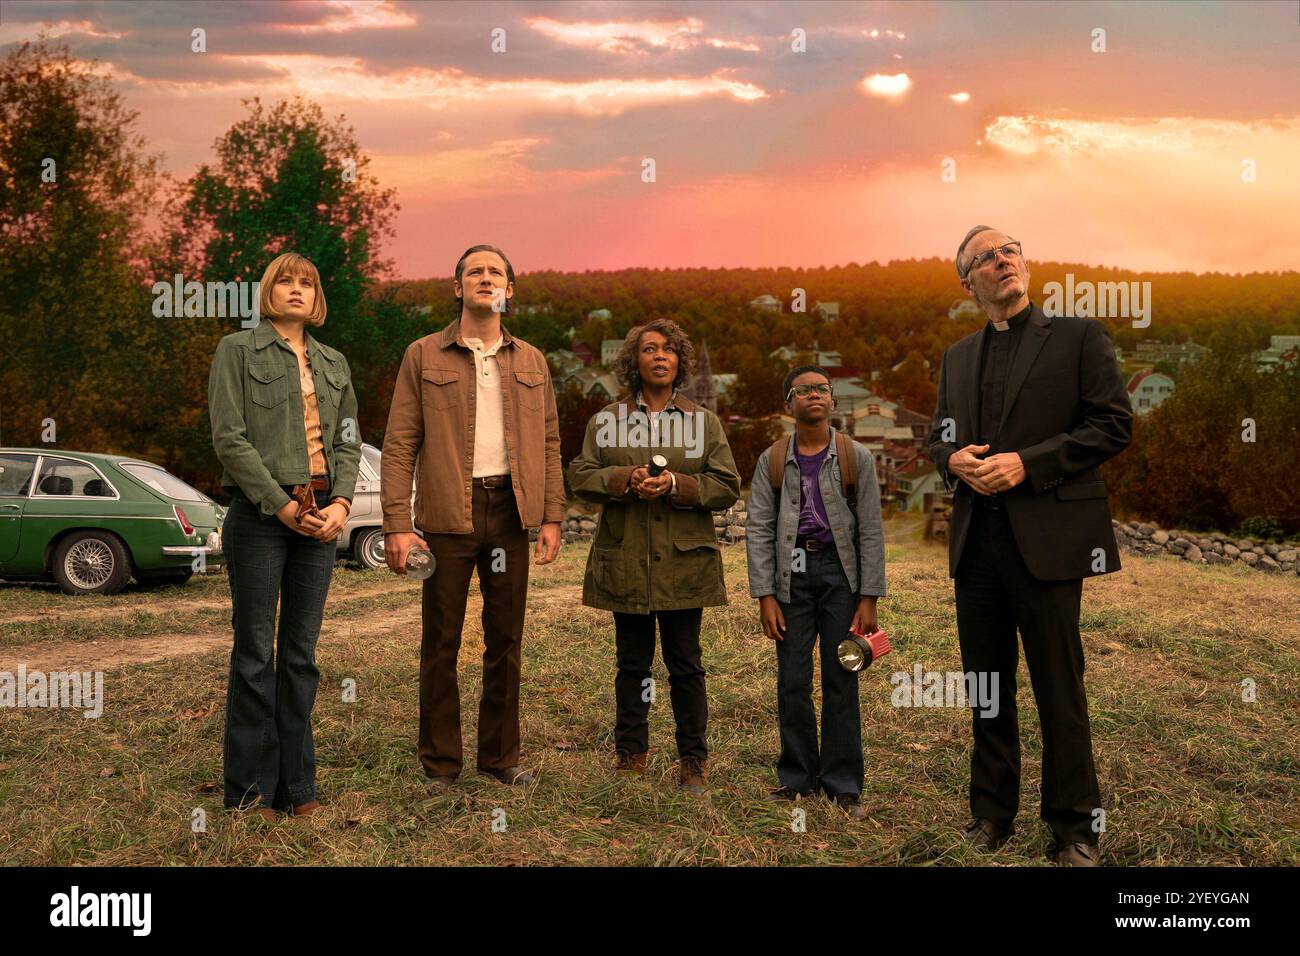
[[1014, 322]]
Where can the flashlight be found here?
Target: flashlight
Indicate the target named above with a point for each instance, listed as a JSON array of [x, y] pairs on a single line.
[[857, 651]]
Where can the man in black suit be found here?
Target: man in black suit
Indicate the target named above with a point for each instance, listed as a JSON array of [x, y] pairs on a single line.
[[1029, 407]]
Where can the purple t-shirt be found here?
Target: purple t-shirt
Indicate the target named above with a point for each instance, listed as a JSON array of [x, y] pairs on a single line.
[[812, 511]]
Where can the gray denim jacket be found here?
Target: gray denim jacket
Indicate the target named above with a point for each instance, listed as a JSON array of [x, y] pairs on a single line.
[[769, 565]]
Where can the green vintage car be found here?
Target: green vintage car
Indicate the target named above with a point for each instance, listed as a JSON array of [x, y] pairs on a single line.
[[92, 521]]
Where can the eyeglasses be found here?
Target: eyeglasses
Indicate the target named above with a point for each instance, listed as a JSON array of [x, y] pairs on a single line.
[[803, 391], [1010, 250]]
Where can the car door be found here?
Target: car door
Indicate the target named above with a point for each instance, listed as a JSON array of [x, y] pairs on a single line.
[[16, 470], [365, 492], [69, 493]]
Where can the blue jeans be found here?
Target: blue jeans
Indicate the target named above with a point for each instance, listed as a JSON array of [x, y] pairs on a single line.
[[268, 754], [818, 616]]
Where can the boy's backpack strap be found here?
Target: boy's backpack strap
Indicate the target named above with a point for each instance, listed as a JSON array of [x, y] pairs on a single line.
[[776, 464], [848, 469]]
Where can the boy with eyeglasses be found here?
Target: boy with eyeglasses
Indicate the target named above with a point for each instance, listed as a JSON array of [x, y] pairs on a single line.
[[816, 550]]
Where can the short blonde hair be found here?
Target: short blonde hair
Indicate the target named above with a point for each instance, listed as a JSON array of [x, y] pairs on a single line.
[[290, 263]]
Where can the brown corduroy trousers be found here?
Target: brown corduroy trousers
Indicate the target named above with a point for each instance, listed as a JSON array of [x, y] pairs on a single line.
[[498, 547]]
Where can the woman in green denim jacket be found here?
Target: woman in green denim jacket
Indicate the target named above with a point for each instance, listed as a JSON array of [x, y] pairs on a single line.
[[655, 557], [283, 414]]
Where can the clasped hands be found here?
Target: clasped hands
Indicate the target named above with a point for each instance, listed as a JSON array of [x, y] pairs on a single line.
[[648, 488], [1000, 472], [325, 525]]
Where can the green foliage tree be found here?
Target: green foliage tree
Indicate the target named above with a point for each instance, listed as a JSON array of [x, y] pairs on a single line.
[[74, 188], [1192, 464], [748, 440], [287, 179]]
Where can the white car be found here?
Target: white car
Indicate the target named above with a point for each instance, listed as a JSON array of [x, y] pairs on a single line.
[[362, 537]]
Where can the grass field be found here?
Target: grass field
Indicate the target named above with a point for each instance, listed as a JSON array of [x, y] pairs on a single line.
[[1190, 773]]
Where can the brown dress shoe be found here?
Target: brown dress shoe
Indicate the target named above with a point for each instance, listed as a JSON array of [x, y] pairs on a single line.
[[263, 810], [984, 835], [510, 775], [850, 805], [1075, 854], [693, 775], [630, 763], [437, 786], [306, 809]]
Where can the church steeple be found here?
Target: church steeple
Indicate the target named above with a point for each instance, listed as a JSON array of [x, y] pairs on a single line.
[[700, 389]]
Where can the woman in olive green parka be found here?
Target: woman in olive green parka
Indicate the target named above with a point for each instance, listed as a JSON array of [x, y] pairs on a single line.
[[655, 556]]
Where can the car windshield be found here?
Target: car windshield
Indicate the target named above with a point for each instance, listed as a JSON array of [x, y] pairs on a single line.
[[163, 482], [373, 457]]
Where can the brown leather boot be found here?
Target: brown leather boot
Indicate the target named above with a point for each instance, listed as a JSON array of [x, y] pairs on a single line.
[[1075, 854], [306, 809], [693, 775], [631, 763]]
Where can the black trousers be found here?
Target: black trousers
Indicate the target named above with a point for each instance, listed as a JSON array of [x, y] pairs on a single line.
[[996, 595], [634, 636], [819, 616]]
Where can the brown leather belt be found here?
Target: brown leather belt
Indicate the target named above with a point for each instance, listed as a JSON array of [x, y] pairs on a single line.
[[810, 544], [318, 484], [493, 481]]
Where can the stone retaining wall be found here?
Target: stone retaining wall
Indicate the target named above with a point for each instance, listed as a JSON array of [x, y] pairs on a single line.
[[1133, 537], [1137, 537]]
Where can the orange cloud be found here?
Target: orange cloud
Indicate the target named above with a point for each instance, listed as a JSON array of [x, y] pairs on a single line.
[[352, 15], [346, 78], [634, 36]]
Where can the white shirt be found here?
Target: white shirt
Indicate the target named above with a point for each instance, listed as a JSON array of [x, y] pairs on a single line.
[[490, 456]]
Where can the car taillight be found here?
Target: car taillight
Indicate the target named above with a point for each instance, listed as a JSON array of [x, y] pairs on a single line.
[[185, 522]]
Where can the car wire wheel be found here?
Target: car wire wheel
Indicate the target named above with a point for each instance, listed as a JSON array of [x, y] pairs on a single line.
[[89, 563]]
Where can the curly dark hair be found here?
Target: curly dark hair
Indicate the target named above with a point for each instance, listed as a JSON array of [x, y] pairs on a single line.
[[628, 372]]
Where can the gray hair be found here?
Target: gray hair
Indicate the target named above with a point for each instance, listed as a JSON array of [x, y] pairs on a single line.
[[969, 236]]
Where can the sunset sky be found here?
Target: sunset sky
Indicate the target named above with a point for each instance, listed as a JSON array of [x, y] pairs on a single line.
[[764, 156]]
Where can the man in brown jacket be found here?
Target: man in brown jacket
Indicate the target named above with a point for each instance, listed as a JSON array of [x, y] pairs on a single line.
[[473, 419]]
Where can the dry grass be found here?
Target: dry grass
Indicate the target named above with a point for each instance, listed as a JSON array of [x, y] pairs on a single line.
[[1190, 774]]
